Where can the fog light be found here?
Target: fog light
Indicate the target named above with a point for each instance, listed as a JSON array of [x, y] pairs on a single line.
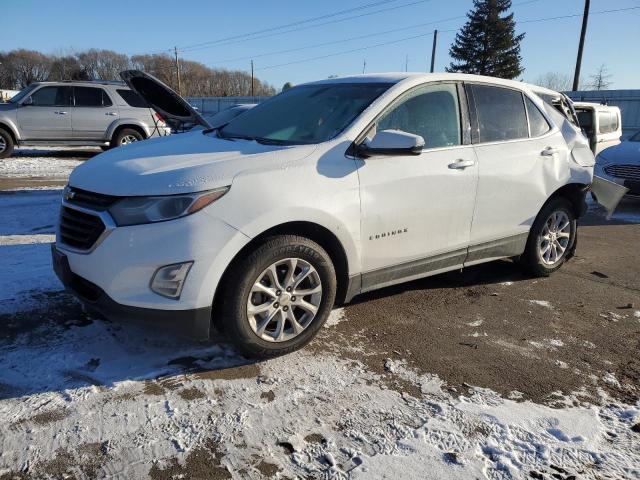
[[169, 280]]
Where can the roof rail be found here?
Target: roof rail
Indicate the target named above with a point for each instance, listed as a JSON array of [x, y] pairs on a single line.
[[100, 82]]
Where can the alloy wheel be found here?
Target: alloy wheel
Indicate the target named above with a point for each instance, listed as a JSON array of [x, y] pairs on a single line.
[[127, 139], [554, 239], [284, 300], [3, 144]]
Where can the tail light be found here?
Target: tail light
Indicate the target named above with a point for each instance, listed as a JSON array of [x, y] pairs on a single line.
[[159, 118]]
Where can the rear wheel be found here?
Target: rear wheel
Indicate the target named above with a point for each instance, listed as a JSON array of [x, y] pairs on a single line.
[[6, 144], [552, 238], [125, 137], [279, 296]]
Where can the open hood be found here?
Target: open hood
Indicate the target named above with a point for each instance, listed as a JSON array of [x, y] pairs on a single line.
[[178, 114]]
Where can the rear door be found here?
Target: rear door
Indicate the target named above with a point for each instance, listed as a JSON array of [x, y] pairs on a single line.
[[416, 210], [522, 160], [48, 117], [93, 112]]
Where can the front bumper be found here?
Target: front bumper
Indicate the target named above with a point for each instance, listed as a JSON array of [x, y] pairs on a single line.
[[113, 276], [194, 323], [632, 185]]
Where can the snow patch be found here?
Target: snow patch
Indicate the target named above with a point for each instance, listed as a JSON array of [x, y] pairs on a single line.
[[542, 303], [335, 317]]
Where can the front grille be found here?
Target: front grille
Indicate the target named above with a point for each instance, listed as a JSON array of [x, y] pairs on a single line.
[[91, 200], [627, 172], [78, 229]]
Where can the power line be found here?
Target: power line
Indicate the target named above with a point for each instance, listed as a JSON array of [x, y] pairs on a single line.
[[344, 52], [224, 42], [359, 37], [292, 24]]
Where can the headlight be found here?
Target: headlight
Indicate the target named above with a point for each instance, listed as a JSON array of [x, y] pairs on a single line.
[[139, 210]]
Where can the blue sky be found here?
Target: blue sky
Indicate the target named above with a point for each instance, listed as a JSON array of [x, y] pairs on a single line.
[[153, 26]]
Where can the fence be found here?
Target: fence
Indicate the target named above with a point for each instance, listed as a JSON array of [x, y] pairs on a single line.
[[210, 105], [627, 100]]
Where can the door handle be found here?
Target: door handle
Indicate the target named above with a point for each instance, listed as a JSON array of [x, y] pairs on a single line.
[[112, 114], [461, 164], [59, 112], [549, 152]]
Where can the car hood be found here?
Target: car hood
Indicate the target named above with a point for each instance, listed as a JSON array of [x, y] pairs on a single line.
[[185, 163], [625, 152], [4, 107]]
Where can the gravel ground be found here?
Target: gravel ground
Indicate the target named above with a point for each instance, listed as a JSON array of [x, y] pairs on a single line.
[[484, 373]]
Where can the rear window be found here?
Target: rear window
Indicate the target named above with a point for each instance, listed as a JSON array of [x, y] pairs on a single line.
[[91, 97], [132, 98], [501, 113], [607, 122]]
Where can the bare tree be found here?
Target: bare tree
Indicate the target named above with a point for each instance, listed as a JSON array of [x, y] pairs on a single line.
[[103, 64], [27, 66], [601, 80], [560, 82], [21, 67], [67, 67]]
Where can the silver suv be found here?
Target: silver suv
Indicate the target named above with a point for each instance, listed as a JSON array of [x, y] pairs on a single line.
[[105, 114]]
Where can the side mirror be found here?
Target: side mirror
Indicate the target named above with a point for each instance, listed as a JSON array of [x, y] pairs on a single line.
[[27, 101], [392, 142]]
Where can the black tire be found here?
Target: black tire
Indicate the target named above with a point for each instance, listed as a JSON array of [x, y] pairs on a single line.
[[117, 139], [531, 259], [7, 140], [243, 275]]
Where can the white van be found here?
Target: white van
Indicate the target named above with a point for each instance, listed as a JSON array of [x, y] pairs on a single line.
[[602, 124], [325, 191]]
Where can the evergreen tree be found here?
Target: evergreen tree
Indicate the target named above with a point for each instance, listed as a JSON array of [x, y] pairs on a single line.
[[488, 44]]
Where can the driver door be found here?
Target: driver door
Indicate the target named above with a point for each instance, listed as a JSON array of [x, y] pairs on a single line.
[[48, 116], [416, 210]]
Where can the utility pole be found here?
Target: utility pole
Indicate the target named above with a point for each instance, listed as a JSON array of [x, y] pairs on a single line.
[[252, 77], [583, 33], [406, 63], [364, 66], [433, 50], [175, 50]]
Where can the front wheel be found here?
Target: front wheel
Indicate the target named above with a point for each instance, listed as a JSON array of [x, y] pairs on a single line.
[[552, 238], [6, 144], [279, 296]]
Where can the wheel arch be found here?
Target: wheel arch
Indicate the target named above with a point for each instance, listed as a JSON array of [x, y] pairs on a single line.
[[7, 128], [310, 230], [575, 193], [114, 129]]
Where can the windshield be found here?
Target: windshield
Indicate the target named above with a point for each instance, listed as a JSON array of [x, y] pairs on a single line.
[[22, 93], [304, 115], [635, 138]]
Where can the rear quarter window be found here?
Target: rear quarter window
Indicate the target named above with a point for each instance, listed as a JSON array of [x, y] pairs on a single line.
[[538, 125], [132, 98]]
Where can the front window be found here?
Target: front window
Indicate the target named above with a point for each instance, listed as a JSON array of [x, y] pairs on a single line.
[[304, 115], [52, 97], [431, 111], [22, 93]]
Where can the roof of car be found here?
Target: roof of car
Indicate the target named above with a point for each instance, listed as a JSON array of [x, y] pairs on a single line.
[[397, 77]]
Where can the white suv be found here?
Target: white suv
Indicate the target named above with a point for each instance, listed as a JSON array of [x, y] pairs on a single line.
[[325, 191]]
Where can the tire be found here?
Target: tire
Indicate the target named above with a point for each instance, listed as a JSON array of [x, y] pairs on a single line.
[[6, 144], [542, 262], [125, 136], [253, 333]]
